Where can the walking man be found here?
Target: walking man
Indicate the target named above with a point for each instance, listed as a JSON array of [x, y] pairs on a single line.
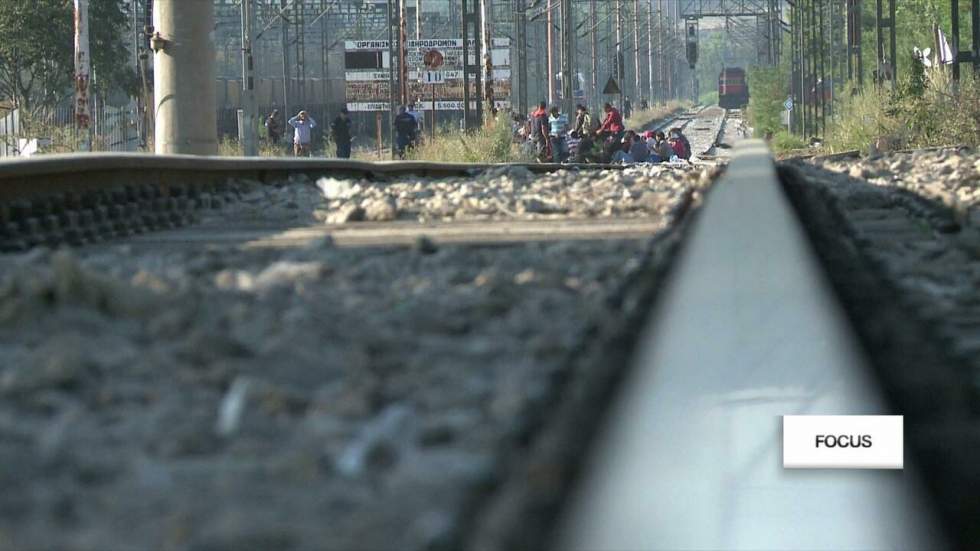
[[539, 132], [340, 131], [302, 123], [273, 127], [405, 129]]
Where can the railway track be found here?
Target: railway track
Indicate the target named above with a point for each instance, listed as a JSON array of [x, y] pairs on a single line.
[[304, 354], [360, 345]]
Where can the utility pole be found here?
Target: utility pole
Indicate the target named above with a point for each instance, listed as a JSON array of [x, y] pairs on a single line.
[[83, 66], [661, 67], [402, 66], [594, 32], [551, 64], [392, 90], [285, 58], [637, 75], [184, 83], [248, 128], [650, 91], [137, 117], [620, 62], [471, 18], [568, 49], [299, 87], [486, 46], [418, 20], [521, 36]]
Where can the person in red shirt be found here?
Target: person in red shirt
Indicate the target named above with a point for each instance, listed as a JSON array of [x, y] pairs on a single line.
[[540, 132], [613, 123], [611, 131]]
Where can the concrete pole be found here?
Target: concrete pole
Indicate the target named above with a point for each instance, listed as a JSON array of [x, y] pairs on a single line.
[[620, 61], [551, 63], [184, 83], [568, 51], [594, 31], [661, 69], [249, 130], [83, 67], [650, 90], [402, 66], [286, 73], [637, 75]]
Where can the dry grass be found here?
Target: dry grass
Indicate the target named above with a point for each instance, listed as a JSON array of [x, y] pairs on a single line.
[[490, 144], [934, 116]]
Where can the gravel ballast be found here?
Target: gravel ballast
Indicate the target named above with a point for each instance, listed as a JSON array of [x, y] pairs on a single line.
[[901, 239], [207, 397]]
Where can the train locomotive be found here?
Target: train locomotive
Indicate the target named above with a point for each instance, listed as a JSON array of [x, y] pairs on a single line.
[[733, 90]]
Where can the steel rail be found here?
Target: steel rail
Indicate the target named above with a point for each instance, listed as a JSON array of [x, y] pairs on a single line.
[[748, 330], [48, 174]]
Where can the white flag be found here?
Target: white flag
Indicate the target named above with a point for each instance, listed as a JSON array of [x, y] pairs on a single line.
[[943, 51]]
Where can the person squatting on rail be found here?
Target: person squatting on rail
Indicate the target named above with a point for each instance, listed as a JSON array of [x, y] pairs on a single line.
[[302, 123]]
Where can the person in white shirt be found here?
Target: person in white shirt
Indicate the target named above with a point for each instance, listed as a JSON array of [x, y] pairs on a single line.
[[302, 124]]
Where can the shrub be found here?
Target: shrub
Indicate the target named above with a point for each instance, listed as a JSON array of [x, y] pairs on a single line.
[[783, 141], [490, 144], [768, 89], [923, 112]]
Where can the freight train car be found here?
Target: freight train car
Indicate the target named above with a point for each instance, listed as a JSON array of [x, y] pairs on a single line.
[[733, 90]]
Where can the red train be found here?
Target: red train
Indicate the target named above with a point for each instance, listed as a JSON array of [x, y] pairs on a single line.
[[733, 90]]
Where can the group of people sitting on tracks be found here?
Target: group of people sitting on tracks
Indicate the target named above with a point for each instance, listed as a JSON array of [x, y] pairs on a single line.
[[549, 136]]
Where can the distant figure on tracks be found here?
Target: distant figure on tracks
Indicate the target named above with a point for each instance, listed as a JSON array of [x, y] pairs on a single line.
[[539, 132], [627, 108], [302, 124], [406, 129], [340, 131], [273, 128]]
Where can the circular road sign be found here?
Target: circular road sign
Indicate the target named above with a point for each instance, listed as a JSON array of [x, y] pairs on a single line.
[[433, 59]]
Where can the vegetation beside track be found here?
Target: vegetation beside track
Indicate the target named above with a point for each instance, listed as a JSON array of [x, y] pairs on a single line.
[[493, 143], [924, 110]]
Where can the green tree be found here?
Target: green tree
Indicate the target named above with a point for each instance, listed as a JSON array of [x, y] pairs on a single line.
[[913, 28], [37, 50], [768, 87]]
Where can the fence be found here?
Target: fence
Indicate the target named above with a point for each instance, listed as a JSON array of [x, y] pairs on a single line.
[[112, 129]]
